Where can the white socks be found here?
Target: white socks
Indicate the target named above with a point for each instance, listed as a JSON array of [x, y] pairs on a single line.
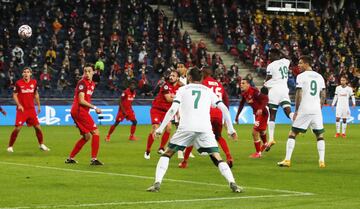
[[321, 150], [226, 172], [337, 127], [271, 126], [343, 128], [161, 168], [290, 145]]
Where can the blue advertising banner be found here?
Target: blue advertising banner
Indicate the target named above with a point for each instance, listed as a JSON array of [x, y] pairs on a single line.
[[60, 115]]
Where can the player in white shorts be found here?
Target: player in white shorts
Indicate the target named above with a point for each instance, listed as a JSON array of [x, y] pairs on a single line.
[[309, 98], [276, 82], [342, 94], [193, 102]]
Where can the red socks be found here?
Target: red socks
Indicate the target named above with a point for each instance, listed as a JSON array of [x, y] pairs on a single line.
[[111, 130], [39, 136], [263, 138], [164, 139], [95, 142], [77, 147], [13, 138], [257, 146], [224, 147], [132, 130], [150, 141], [187, 152]]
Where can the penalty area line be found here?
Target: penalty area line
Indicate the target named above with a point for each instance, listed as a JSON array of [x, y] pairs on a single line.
[[152, 178], [155, 202]]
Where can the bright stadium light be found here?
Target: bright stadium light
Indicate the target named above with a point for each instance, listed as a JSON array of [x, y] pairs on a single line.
[[303, 6]]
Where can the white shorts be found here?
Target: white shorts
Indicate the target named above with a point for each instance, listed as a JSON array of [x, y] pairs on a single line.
[[343, 112], [304, 121], [203, 142], [279, 96]]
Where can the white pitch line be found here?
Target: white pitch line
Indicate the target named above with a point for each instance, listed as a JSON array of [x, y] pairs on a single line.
[[155, 202], [148, 177]]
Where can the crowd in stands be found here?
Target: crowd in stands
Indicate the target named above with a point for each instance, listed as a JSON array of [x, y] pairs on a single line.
[[131, 40], [331, 35]]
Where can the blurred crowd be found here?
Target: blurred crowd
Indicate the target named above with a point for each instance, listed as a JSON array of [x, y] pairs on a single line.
[[329, 33], [129, 39]]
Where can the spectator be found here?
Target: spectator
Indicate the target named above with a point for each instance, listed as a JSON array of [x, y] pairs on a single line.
[[50, 56], [45, 80], [18, 55]]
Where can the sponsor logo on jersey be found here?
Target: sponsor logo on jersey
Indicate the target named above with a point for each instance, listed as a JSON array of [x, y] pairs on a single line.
[[24, 91]]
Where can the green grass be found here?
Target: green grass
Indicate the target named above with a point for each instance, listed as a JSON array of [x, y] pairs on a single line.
[[30, 178]]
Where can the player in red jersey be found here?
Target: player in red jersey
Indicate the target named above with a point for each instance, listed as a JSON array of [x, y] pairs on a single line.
[[258, 102], [125, 111], [80, 113], [160, 106], [25, 91], [216, 116]]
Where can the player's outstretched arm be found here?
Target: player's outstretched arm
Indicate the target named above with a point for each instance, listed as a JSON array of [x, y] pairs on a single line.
[[169, 115], [241, 106], [227, 118]]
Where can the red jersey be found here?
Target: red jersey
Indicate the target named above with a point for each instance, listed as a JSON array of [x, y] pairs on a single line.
[[127, 97], [26, 93], [219, 90], [160, 102], [255, 99], [87, 87]]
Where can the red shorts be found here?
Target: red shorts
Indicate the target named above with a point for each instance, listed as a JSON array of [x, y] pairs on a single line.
[[261, 122], [217, 125], [28, 116], [84, 122], [129, 115], [157, 116]]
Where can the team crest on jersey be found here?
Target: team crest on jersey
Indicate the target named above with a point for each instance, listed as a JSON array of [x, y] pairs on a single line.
[[32, 86], [166, 87], [81, 87]]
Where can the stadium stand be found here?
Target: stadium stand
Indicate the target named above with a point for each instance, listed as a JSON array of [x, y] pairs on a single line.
[[132, 40]]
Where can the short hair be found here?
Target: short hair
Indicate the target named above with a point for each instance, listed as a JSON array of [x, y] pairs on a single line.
[[275, 52], [195, 74], [306, 59], [27, 68], [176, 71], [89, 65], [247, 80]]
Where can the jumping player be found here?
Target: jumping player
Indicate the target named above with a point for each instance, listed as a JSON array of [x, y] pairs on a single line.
[[258, 102], [80, 113], [125, 111], [25, 91], [276, 81]]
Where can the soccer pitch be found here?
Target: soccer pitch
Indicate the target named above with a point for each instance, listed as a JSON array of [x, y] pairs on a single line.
[[34, 179]]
